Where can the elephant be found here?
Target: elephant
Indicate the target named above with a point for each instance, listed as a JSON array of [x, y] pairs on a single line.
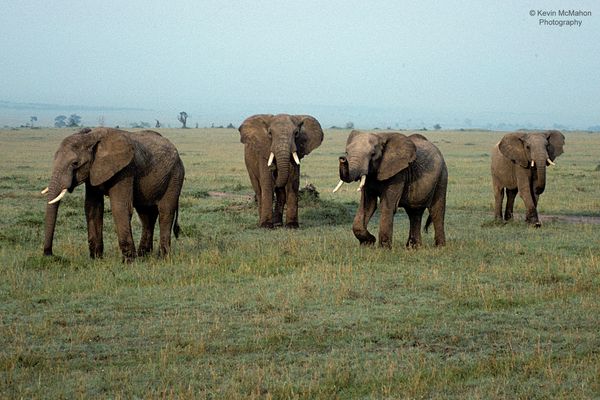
[[140, 170], [273, 148], [518, 165], [402, 171]]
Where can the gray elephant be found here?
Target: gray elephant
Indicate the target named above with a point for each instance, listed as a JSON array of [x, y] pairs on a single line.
[[519, 163], [273, 148], [401, 171], [135, 170]]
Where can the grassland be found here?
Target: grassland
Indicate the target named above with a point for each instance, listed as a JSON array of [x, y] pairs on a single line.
[[239, 312]]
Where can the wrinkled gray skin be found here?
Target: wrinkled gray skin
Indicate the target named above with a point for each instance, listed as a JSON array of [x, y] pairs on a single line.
[[139, 170], [512, 170], [401, 171], [281, 135]]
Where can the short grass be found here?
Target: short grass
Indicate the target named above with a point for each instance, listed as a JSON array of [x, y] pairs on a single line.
[[237, 312]]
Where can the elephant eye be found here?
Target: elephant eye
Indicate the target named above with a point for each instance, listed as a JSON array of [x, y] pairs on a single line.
[[75, 163]]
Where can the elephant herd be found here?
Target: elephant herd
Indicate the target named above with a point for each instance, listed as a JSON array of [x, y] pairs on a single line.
[[143, 171]]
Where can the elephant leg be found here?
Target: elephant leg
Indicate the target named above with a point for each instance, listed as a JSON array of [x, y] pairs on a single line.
[[511, 194], [292, 188], [94, 215], [437, 213], [368, 205], [531, 216], [148, 216], [280, 201], [167, 208], [498, 198], [265, 201], [415, 216], [121, 203]]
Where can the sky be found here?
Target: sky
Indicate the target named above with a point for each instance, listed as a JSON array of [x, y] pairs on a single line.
[[379, 62]]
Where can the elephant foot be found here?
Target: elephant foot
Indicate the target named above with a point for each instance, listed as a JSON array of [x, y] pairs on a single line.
[[387, 244], [292, 225], [365, 239], [413, 243], [144, 252], [266, 225]]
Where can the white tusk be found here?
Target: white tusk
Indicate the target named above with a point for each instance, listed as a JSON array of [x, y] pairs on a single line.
[[339, 185], [363, 179], [45, 190], [532, 163], [551, 162], [270, 162], [59, 197], [295, 155]]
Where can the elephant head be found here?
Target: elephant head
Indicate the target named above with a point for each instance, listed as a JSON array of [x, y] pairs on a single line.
[[281, 139], [87, 156], [535, 151], [375, 156]]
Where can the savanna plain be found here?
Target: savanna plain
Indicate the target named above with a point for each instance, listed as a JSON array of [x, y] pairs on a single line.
[[237, 312]]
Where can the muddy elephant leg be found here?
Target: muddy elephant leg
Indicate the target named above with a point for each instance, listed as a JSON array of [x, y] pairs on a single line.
[[148, 216], [121, 203], [498, 199], [531, 216], [167, 208], [415, 216], [511, 194], [280, 201], [366, 208], [94, 215], [292, 188]]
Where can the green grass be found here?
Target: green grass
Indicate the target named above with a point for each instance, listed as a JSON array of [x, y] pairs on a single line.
[[503, 311]]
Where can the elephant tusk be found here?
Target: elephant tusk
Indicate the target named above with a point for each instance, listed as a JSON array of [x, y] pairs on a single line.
[[295, 155], [339, 185], [45, 190], [550, 162], [59, 197], [532, 163], [363, 180], [270, 162]]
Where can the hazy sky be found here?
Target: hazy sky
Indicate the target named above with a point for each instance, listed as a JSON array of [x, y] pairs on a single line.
[[463, 59]]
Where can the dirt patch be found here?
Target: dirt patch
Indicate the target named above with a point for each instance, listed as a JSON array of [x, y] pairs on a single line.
[[223, 195], [573, 219]]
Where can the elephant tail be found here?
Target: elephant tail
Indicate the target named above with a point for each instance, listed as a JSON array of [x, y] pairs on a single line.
[[176, 228], [427, 223]]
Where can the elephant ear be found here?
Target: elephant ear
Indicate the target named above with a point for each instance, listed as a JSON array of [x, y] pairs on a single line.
[[398, 152], [114, 152], [556, 141], [512, 147], [310, 135], [254, 132]]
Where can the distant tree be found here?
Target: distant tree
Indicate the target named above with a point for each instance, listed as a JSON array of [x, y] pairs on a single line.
[[157, 124], [140, 124], [33, 119], [350, 125], [196, 125], [60, 121], [73, 121], [437, 127], [230, 126], [183, 116], [101, 120]]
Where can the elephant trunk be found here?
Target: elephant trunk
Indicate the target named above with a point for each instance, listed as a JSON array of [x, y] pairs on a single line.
[[540, 182], [282, 159], [55, 191], [355, 170], [344, 170]]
